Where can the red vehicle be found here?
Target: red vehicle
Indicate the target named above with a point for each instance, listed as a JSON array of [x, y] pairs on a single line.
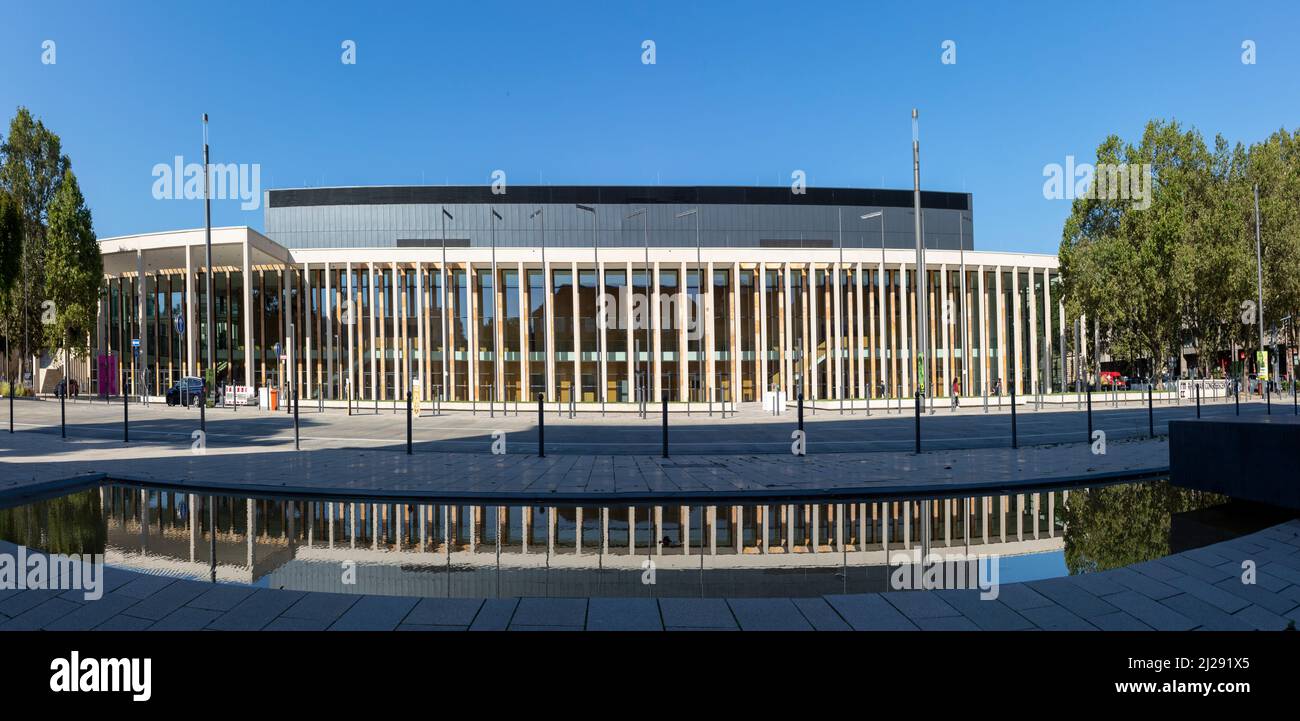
[[1113, 379]]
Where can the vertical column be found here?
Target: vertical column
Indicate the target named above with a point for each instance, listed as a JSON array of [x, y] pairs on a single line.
[[787, 350], [945, 316], [420, 335], [837, 334], [471, 327], [246, 268], [882, 343], [305, 331], [859, 346], [1032, 335], [602, 372], [374, 296], [984, 332], [812, 369], [1060, 308], [525, 372], [1001, 321], [901, 338], [657, 341], [633, 359], [762, 331], [350, 317], [191, 334], [1047, 330], [1017, 346], [550, 331], [684, 365], [736, 380], [576, 391], [710, 340]]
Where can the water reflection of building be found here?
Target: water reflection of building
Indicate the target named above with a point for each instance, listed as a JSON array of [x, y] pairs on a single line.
[[301, 543]]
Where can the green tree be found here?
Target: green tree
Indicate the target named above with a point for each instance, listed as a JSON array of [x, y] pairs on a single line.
[[32, 165], [74, 268], [11, 248]]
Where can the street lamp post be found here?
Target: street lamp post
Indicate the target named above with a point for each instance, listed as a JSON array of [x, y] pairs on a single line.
[[965, 340], [922, 317], [600, 329], [645, 218], [209, 369], [496, 324]]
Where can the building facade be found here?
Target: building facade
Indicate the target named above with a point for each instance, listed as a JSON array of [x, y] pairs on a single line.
[[586, 294]]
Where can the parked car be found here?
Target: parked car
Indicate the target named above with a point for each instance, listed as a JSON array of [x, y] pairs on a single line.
[[185, 391], [62, 387]]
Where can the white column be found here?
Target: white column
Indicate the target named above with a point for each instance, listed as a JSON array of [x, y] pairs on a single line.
[[657, 341], [837, 335], [374, 296], [575, 391], [762, 330], [945, 316], [883, 343], [351, 318], [738, 329], [984, 332], [859, 347], [788, 351], [710, 340], [905, 340], [191, 333], [602, 373], [423, 365], [1017, 347], [550, 331], [246, 269], [811, 346], [1001, 322], [1032, 335], [1047, 330]]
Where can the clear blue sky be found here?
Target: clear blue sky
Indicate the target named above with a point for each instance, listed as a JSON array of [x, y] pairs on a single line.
[[741, 93]]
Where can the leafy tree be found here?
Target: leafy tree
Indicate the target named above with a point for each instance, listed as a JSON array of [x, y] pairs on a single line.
[[74, 268], [32, 165]]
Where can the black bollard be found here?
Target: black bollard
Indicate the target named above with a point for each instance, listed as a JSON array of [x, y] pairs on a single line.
[[126, 432], [203, 414], [541, 426], [1268, 398], [349, 401], [801, 410], [665, 424], [11, 406], [408, 423], [294, 400], [1090, 415], [63, 413], [1198, 398], [1151, 419], [1015, 438], [1236, 396]]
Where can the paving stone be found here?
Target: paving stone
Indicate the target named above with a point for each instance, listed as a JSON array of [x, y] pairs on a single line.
[[1274, 602], [221, 597], [91, 614], [144, 585], [869, 612], [1096, 584], [696, 613], [821, 615], [1209, 555], [1018, 596], [1262, 619], [124, 623], [1195, 569], [19, 602], [1143, 584], [1210, 594], [422, 627], [1072, 597], [257, 610], [495, 614], [947, 623], [375, 613], [1206, 616], [285, 623], [325, 607], [186, 618], [623, 614], [1151, 612], [1056, 618], [768, 614], [988, 614], [919, 604], [444, 612], [157, 605], [37, 617], [534, 611], [1118, 621], [1156, 570], [513, 627]]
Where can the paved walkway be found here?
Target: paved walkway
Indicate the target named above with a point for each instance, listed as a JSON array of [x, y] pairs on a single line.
[[34, 461], [1199, 589]]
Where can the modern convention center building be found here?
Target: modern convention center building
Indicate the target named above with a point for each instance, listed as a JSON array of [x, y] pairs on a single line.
[[585, 294]]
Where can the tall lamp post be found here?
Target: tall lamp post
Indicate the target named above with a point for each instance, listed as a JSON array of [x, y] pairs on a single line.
[[600, 329], [645, 217], [965, 340], [209, 368], [922, 316], [699, 289], [496, 323]]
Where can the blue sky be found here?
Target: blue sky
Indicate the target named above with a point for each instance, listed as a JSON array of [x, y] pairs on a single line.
[[741, 93]]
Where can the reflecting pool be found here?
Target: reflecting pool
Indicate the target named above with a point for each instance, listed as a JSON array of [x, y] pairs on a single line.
[[770, 548]]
